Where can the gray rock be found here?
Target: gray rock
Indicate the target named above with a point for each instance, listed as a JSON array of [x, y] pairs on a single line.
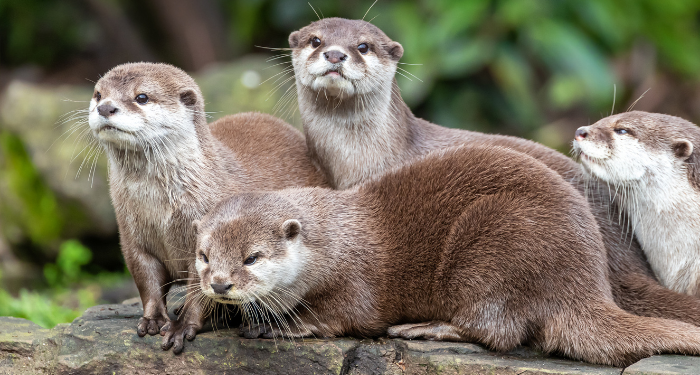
[[104, 340]]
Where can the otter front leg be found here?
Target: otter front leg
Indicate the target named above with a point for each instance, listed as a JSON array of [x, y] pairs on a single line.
[[188, 323], [435, 330], [150, 275]]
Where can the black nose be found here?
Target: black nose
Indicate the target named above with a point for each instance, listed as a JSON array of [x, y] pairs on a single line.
[[335, 57], [107, 110], [581, 133], [221, 288]]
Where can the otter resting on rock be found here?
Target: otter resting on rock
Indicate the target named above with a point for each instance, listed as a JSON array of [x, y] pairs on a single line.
[[465, 244], [167, 167], [652, 163], [358, 127]]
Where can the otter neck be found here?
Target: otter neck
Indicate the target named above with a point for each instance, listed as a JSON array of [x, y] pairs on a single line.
[[352, 139], [664, 214], [184, 163]]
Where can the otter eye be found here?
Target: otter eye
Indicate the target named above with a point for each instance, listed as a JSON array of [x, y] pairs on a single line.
[[141, 99], [620, 131], [98, 96], [204, 258], [315, 42], [250, 260], [363, 48]]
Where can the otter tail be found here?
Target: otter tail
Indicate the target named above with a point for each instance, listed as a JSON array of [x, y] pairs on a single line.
[[606, 334]]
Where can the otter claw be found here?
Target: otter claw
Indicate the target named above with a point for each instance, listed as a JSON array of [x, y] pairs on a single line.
[[150, 326], [174, 337]]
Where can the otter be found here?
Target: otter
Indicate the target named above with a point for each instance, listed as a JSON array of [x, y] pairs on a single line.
[[357, 127], [651, 161], [480, 244], [167, 167]]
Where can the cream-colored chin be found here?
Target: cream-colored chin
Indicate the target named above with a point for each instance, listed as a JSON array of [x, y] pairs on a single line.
[[333, 85], [118, 138]]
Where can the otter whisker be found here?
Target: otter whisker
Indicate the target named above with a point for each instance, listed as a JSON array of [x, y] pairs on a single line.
[[272, 66], [640, 98], [312, 7], [275, 49], [278, 57], [407, 72]]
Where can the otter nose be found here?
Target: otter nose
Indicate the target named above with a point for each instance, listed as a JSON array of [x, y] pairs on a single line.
[[581, 133], [107, 110], [335, 57], [221, 288]]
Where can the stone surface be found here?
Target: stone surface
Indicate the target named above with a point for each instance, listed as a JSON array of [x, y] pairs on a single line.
[[104, 341]]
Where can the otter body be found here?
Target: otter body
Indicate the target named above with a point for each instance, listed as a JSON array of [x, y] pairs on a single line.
[[466, 244], [357, 127], [651, 162], [168, 167]]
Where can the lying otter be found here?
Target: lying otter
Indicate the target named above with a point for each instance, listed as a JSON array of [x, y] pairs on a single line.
[[468, 244]]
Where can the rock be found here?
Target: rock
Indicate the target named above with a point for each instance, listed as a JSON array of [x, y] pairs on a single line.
[[104, 340]]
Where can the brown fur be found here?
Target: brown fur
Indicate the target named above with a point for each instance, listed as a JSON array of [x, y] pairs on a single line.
[[353, 138], [484, 244], [159, 185]]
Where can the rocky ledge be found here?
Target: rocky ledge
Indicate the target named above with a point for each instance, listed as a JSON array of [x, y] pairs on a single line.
[[104, 341]]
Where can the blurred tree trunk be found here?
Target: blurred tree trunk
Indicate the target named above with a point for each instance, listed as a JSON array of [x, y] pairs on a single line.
[[196, 29], [125, 43]]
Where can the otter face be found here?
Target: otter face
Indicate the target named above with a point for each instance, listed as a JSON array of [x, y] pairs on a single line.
[[141, 104], [246, 257], [631, 147], [343, 58]]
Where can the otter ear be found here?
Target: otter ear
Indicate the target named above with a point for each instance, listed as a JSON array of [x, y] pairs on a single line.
[[195, 226], [395, 50], [682, 148], [188, 98], [294, 39], [291, 229]]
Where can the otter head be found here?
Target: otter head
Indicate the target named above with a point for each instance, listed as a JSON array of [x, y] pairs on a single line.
[[138, 104], [638, 146], [250, 248], [343, 58]]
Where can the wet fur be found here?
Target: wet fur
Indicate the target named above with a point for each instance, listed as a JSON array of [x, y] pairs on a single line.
[[653, 171], [172, 167], [467, 244], [353, 138]]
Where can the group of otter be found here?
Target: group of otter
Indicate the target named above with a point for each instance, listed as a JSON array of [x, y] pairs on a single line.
[[375, 222]]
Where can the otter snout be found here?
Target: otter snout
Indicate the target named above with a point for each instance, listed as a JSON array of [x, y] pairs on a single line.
[[221, 288], [106, 110], [335, 57], [581, 133]]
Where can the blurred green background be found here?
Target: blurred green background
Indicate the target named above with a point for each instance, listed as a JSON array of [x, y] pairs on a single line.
[[532, 68]]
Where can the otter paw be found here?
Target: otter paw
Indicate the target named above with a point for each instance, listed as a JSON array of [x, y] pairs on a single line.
[[174, 337], [253, 331], [151, 326], [441, 331]]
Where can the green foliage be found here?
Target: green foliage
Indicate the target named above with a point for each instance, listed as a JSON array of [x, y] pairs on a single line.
[[70, 291], [71, 257], [25, 198], [26, 26], [48, 308]]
